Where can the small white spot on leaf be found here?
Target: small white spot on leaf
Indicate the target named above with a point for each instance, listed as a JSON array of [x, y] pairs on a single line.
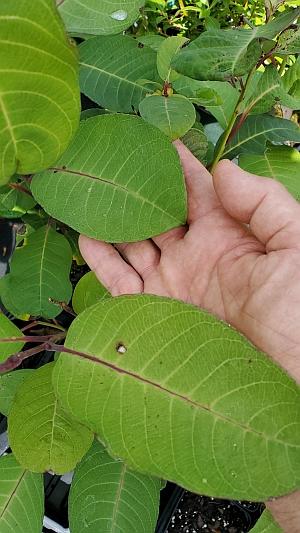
[[119, 15]]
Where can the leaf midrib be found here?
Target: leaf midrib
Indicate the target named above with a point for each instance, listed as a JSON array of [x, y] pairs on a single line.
[[111, 74], [118, 498], [172, 393], [117, 186], [13, 493]]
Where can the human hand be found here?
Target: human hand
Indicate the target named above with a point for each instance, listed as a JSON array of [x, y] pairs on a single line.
[[248, 277]]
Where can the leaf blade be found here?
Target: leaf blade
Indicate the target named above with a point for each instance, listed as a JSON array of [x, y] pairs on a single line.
[[22, 498], [111, 70], [140, 172], [39, 275], [173, 115], [39, 429], [122, 500], [175, 381], [39, 91]]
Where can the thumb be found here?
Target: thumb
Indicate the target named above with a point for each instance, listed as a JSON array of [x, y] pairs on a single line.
[[263, 203]]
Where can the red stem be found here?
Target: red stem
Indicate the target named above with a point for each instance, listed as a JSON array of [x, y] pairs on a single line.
[[16, 359]]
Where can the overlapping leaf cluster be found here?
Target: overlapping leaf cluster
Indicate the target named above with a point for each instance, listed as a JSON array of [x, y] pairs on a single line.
[[144, 387]]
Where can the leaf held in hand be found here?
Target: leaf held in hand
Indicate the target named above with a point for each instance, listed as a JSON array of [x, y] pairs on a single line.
[[188, 399], [127, 190]]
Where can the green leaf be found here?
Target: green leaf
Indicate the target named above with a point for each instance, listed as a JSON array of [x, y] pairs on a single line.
[[263, 91], [99, 18], [218, 55], [174, 115], [8, 329], [16, 201], [166, 53], [111, 70], [196, 141], [219, 98], [184, 387], [266, 89], [22, 498], [277, 25], [39, 103], [9, 384], [41, 434], [266, 524], [289, 42], [39, 275], [73, 237], [88, 291], [281, 163], [130, 189], [152, 40], [291, 81], [257, 130], [105, 493]]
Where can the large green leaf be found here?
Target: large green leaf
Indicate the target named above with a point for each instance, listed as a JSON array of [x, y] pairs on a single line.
[[166, 52], [220, 54], [39, 102], [39, 275], [99, 17], [266, 524], [41, 434], [8, 329], [21, 498], [107, 496], [9, 384], [87, 292], [257, 130], [218, 97], [126, 190], [112, 70], [174, 115], [279, 162], [180, 395]]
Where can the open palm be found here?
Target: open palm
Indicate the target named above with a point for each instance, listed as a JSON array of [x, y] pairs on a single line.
[[239, 257]]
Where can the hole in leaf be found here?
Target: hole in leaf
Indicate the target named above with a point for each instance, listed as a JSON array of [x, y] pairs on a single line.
[[121, 348]]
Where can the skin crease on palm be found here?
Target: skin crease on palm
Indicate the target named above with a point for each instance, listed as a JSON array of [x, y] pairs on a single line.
[[238, 257]]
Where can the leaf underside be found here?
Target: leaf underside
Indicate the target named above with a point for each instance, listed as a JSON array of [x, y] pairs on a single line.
[[180, 395], [100, 187], [41, 434], [106, 494], [21, 499], [39, 275], [39, 102]]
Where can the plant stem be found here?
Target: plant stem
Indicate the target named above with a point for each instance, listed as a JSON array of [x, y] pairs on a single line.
[[227, 133], [40, 323], [182, 8], [282, 66], [20, 188], [16, 359]]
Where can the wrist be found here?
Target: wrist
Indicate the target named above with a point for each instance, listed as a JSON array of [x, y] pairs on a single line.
[[286, 512]]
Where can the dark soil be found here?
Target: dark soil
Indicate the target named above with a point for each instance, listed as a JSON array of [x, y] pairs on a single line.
[[195, 514]]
